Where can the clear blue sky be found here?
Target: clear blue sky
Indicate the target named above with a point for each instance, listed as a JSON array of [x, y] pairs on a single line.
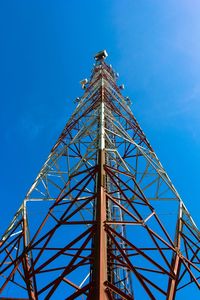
[[47, 47]]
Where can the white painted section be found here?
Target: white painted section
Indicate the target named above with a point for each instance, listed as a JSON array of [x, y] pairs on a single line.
[[102, 129], [16, 233], [84, 280], [24, 209], [102, 125]]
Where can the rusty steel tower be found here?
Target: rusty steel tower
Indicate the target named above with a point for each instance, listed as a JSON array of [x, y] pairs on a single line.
[[102, 220]]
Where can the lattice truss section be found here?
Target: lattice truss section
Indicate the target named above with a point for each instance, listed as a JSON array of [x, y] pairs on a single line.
[[48, 251]]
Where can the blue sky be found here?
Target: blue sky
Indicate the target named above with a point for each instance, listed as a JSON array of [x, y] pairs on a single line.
[[47, 47]]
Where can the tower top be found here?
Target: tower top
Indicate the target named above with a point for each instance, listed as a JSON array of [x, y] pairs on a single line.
[[101, 55]]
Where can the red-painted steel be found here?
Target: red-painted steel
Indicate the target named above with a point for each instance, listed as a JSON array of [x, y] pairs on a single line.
[[102, 219]]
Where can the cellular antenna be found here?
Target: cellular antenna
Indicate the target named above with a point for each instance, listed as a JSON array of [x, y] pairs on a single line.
[[101, 55], [102, 220]]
